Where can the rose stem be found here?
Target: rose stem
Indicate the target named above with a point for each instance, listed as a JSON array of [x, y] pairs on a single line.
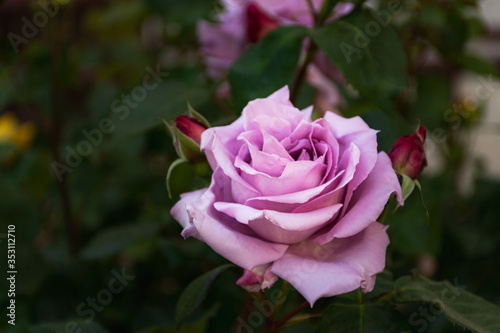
[[299, 78], [289, 315]]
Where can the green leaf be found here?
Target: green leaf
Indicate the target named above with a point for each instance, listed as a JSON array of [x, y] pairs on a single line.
[[459, 306], [195, 293], [374, 63], [477, 64], [113, 240], [180, 165], [407, 187], [266, 66], [371, 318], [183, 176], [446, 29], [167, 100]]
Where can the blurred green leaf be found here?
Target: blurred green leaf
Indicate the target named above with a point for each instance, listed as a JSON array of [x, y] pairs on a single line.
[[433, 100], [195, 114], [198, 326], [374, 63], [71, 325], [111, 241], [370, 318], [6, 149], [6, 87], [195, 293], [266, 66], [460, 307], [445, 28], [477, 64], [166, 100]]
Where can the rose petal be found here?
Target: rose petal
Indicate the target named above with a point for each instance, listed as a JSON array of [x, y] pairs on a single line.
[[310, 173], [234, 241], [287, 221], [180, 214], [280, 227], [277, 119], [307, 112], [367, 203], [355, 130], [281, 96], [220, 157], [265, 153], [288, 202], [227, 135], [271, 145], [348, 164], [335, 268]]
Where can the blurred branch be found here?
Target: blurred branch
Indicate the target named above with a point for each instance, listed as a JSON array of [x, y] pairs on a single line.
[[312, 48], [56, 97], [283, 320]]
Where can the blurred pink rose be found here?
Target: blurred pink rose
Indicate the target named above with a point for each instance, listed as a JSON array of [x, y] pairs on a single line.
[[246, 21], [294, 198]]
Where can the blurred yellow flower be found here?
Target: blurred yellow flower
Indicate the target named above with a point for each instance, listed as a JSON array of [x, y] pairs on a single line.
[[16, 134]]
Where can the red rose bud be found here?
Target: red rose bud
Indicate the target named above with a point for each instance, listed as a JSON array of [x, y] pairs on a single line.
[[408, 154], [190, 127], [258, 23]]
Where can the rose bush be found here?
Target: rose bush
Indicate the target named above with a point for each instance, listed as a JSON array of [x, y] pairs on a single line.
[[294, 198], [244, 22]]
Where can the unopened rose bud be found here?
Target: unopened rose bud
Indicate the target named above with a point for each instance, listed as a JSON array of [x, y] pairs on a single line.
[[408, 154], [186, 133], [258, 23], [190, 127]]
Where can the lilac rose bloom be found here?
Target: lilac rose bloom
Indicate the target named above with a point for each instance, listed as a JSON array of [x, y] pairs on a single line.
[[294, 198], [244, 22]]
